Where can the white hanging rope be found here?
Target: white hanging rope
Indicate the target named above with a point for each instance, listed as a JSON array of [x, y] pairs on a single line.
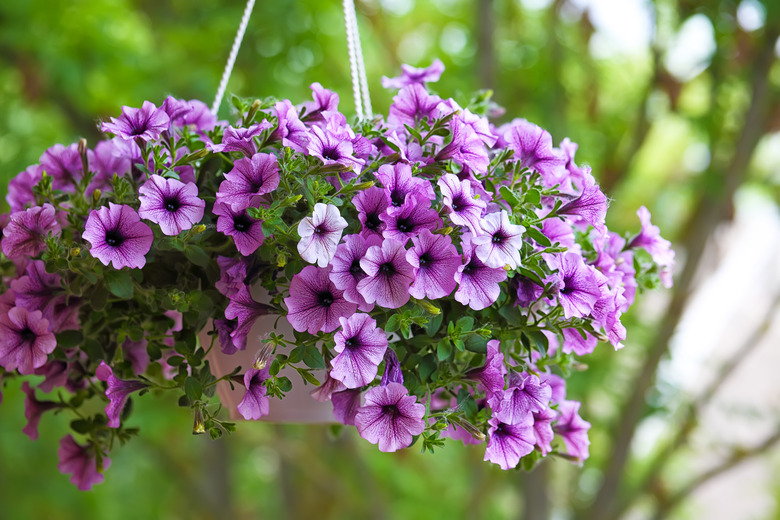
[[232, 58], [361, 65], [349, 12]]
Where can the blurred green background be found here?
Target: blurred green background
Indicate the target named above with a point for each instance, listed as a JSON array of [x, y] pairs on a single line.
[[675, 105]]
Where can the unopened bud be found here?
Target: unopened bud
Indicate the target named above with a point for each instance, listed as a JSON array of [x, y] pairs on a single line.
[[470, 428], [263, 357], [96, 196], [199, 425], [428, 306], [200, 228], [76, 251]]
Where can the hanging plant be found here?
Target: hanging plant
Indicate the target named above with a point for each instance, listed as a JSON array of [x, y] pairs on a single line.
[[442, 276]]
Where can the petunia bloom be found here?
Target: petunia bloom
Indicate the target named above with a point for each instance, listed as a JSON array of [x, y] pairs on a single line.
[[117, 391], [361, 346], [405, 222], [290, 130], [346, 272], [533, 147], [465, 209], [247, 232], [33, 410], [435, 260], [250, 178], [650, 239], [578, 287], [412, 103], [240, 139], [543, 432], [477, 283], [400, 184], [465, 147], [346, 403], [24, 234], [246, 310], [314, 303], [390, 417], [590, 207], [389, 275], [255, 404], [171, 204], [80, 461], [118, 236], [526, 394], [491, 375], [63, 164], [20, 188], [25, 340], [573, 429], [145, 123], [500, 242], [371, 204], [410, 75], [320, 234], [38, 290], [508, 443]]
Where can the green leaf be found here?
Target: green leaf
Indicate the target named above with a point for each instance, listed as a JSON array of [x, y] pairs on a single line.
[[509, 196], [69, 338], [312, 357], [533, 196], [465, 324], [82, 426], [434, 324], [196, 255], [476, 343], [284, 384], [193, 389], [427, 367], [394, 323], [119, 283], [537, 235], [444, 349], [307, 376]]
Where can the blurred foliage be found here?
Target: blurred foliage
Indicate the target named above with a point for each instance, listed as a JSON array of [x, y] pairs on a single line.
[[681, 144]]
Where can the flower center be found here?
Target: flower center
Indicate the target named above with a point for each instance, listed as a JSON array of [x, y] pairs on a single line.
[[498, 238], [387, 269], [114, 238], [331, 153], [241, 223], [404, 226], [390, 410], [397, 198], [567, 286], [172, 204], [351, 342], [372, 221], [27, 335], [425, 258], [355, 268], [458, 203], [325, 298], [320, 230], [469, 268]]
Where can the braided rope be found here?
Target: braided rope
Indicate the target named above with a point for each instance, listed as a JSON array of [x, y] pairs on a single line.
[[361, 65], [232, 58], [349, 11]]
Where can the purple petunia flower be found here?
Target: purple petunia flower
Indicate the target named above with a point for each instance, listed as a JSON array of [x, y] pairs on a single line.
[[650, 239], [389, 275], [405, 222], [247, 232], [590, 206], [55, 375], [500, 241], [146, 123], [325, 391], [393, 372], [465, 148], [290, 129], [240, 139], [578, 287], [117, 391], [528, 291], [526, 394], [320, 234], [573, 429], [38, 290], [410, 75], [435, 260], [371, 204], [400, 184], [33, 410], [332, 149], [577, 341], [543, 432], [477, 283], [118, 236], [24, 234], [390, 417], [255, 403], [533, 147], [559, 232], [248, 180], [314, 303], [465, 210], [25, 340], [135, 352], [193, 112], [63, 164], [346, 403], [81, 463], [227, 343], [412, 103], [106, 160], [491, 375], [347, 272], [324, 101], [508, 443], [234, 272], [20, 188], [361, 347], [246, 310], [171, 204]]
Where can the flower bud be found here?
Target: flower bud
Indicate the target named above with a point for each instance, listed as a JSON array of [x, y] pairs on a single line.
[[96, 196], [263, 357], [470, 428], [199, 425]]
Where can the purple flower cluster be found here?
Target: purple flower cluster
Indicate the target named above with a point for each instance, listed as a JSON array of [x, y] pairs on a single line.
[[400, 251]]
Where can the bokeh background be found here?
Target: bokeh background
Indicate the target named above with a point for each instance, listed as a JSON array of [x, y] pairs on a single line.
[[675, 105]]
